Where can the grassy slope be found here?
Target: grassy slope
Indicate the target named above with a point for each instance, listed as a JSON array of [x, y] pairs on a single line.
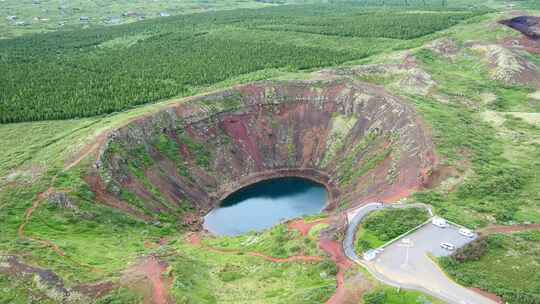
[[498, 162], [239, 278], [502, 183], [510, 268], [88, 72], [279, 242]]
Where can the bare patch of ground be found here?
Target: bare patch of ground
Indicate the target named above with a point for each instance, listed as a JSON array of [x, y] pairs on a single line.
[[304, 227], [335, 251], [447, 177], [146, 277], [508, 66], [403, 73], [494, 229], [523, 43], [445, 47], [195, 239], [90, 149], [356, 285], [95, 291]]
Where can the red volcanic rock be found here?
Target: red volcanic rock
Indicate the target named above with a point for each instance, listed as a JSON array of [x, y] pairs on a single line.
[[361, 142]]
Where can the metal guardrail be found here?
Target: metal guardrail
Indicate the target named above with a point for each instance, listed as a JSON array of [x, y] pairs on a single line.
[[405, 234]]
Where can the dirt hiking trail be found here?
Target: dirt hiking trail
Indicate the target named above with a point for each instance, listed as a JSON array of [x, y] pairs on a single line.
[[508, 229], [147, 277]]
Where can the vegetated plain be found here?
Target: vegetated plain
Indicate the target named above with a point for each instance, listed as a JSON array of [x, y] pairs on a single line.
[[72, 74], [504, 264], [54, 15], [75, 74]]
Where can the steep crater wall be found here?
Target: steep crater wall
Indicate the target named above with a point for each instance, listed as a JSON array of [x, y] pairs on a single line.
[[359, 141]]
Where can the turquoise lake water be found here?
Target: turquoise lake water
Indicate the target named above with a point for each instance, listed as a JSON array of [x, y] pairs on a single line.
[[262, 205]]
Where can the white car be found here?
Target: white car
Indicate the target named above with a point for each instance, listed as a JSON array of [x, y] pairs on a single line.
[[448, 246], [466, 232], [439, 222]]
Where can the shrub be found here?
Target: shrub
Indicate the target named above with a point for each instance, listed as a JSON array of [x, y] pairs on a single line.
[[472, 251], [391, 223], [377, 297], [329, 267]]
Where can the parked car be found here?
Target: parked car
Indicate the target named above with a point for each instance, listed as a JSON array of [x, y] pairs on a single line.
[[448, 246], [466, 232], [439, 222]]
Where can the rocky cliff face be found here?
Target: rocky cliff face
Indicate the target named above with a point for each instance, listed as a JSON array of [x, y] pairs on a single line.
[[359, 141]]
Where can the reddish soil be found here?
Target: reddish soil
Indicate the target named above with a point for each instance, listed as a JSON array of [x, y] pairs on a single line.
[[530, 45], [304, 227], [148, 273], [508, 229], [236, 127], [194, 239], [334, 249]]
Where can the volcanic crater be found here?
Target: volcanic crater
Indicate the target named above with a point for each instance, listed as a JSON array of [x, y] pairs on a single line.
[[362, 143]]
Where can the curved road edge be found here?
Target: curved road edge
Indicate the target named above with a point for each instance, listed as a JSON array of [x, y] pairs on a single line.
[[355, 217]]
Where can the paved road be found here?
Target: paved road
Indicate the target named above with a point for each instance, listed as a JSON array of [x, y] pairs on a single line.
[[354, 218], [408, 265]]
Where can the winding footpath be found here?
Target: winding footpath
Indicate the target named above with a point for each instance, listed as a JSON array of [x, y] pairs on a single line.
[[330, 247]]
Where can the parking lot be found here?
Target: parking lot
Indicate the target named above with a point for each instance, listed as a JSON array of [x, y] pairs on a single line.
[[407, 264]]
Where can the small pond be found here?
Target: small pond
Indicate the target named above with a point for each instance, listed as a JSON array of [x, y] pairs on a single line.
[[264, 204]]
